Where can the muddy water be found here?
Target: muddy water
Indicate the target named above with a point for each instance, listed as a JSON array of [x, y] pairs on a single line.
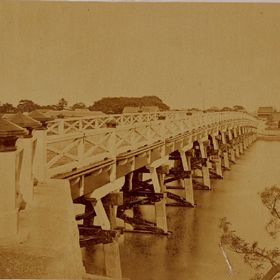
[[192, 251]]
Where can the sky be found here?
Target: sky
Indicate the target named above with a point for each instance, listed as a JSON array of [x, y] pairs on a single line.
[[188, 54]]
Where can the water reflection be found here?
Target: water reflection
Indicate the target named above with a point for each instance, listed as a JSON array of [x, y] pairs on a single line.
[[192, 251]]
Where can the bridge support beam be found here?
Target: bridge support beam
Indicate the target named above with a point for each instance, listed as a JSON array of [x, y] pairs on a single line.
[[215, 143], [236, 148], [223, 136], [241, 145], [226, 160], [104, 201], [245, 139], [145, 188], [218, 166], [187, 182], [160, 206], [179, 177], [206, 176], [225, 157], [202, 150], [230, 137], [246, 142], [232, 155], [235, 132], [217, 158], [205, 165], [249, 139]]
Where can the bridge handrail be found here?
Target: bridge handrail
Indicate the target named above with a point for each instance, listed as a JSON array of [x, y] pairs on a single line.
[[78, 124], [77, 149]]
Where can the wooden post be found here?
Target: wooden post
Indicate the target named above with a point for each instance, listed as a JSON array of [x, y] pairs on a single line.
[[26, 175], [236, 147], [206, 176], [101, 215], [226, 160], [245, 141], [9, 134], [218, 166], [235, 132], [229, 135], [155, 180], [232, 155], [241, 150], [223, 137], [202, 150], [40, 159], [160, 213], [187, 182], [215, 143], [160, 206]]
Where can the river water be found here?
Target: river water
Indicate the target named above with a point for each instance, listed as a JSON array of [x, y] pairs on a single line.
[[192, 251]]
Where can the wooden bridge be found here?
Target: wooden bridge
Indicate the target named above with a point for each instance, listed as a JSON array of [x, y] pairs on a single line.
[[117, 164]]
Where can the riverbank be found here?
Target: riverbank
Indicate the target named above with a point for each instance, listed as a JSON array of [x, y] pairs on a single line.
[[269, 134]]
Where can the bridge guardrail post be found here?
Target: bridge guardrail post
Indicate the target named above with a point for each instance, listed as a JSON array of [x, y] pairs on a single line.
[[28, 144], [9, 133], [81, 151], [112, 141], [40, 157], [61, 127]]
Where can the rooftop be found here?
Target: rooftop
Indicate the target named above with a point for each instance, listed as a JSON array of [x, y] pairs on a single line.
[[268, 109]]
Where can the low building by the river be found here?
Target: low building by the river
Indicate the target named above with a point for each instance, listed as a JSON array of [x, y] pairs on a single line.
[[270, 115]]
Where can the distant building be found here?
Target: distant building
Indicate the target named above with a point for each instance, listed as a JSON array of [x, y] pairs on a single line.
[[275, 120], [265, 112], [131, 109], [69, 113], [149, 108], [270, 115]]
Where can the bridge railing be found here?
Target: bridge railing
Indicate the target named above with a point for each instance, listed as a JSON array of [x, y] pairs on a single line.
[[80, 124], [89, 146]]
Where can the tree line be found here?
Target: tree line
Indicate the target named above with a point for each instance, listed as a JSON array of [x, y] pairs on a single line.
[[26, 105], [108, 105]]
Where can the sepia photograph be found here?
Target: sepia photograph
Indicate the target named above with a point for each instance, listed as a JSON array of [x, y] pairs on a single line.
[[139, 140]]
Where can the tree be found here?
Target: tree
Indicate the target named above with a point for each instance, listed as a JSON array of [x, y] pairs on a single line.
[[62, 103], [116, 104], [265, 261], [26, 105], [7, 108], [239, 108], [79, 105], [227, 109]]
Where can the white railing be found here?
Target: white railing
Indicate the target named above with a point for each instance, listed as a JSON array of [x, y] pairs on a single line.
[[81, 124], [68, 151]]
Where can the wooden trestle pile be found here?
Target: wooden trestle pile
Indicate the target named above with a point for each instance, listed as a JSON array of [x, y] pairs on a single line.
[[169, 184]]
